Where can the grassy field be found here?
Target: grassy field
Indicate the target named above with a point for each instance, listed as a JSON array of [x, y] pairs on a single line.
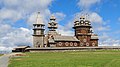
[[68, 59], [1, 54]]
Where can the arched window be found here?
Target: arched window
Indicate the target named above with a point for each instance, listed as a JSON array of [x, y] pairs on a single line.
[[60, 43], [84, 40], [87, 44], [75, 44], [81, 44], [71, 43], [66, 44], [93, 44]]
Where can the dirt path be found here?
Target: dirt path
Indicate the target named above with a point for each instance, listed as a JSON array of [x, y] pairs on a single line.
[[4, 60]]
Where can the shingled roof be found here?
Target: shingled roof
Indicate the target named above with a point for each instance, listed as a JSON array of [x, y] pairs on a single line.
[[65, 38], [94, 37]]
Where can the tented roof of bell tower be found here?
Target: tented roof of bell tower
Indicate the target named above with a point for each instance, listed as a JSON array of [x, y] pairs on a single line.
[[52, 17], [39, 19]]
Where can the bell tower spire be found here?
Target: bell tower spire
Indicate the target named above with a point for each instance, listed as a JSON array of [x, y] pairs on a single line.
[[38, 32], [39, 19], [52, 25]]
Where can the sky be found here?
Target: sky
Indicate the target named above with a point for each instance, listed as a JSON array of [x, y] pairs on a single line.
[[17, 17]]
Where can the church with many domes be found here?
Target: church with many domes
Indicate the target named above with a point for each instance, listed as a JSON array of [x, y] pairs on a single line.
[[83, 34]]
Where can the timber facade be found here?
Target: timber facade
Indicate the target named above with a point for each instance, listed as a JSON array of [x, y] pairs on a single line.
[[83, 36]]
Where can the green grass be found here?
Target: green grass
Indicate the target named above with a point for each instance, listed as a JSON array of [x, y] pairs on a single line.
[[1, 54], [68, 59]]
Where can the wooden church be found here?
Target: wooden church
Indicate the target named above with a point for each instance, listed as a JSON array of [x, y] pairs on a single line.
[[83, 36]]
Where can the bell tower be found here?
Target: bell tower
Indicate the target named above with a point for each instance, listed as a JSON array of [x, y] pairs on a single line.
[[52, 26], [38, 32], [83, 31]]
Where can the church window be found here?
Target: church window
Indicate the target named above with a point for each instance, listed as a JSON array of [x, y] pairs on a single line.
[[34, 31], [75, 44], [87, 44], [60, 43], [39, 32], [42, 31], [38, 26], [66, 44], [81, 44], [84, 40], [71, 44], [93, 44]]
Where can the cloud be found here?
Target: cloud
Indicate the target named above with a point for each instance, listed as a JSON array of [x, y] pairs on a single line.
[[106, 40], [9, 15], [63, 30], [26, 5], [15, 37], [5, 28], [110, 42], [85, 4], [20, 36], [94, 17], [98, 23], [22, 9], [4, 50], [59, 16], [13, 10]]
